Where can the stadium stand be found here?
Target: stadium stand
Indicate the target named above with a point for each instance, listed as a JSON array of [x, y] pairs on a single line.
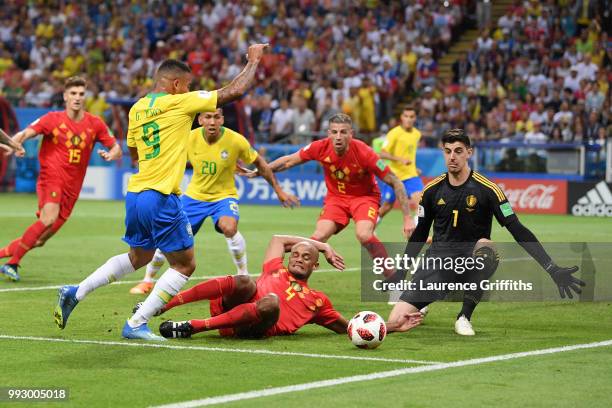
[[357, 57], [540, 75]]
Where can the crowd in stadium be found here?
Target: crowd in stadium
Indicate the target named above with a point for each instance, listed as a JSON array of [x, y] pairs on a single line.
[[540, 74], [374, 54]]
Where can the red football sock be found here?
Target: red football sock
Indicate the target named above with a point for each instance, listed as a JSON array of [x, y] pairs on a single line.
[[28, 239], [9, 249], [245, 313], [376, 249], [57, 224], [211, 289]]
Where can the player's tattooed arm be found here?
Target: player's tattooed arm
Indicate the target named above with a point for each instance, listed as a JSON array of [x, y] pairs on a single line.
[[287, 200], [243, 81], [286, 162], [400, 192]]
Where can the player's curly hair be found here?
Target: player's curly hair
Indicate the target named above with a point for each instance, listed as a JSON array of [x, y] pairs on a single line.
[[341, 118], [456, 135], [74, 81]]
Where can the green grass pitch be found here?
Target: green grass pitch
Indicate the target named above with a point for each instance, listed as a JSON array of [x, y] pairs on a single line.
[[104, 370]]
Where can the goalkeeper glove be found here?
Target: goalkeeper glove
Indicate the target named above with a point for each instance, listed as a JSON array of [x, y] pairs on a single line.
[[564, 279]]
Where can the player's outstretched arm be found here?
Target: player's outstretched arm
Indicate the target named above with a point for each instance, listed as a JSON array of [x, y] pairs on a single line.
[[244, 79], [563, 276], [279, 244], [9, 145], [15, 143], [339, 326], [287, 200], [113, 154], [246, 172], [405, 322], [286, 162], [400, 192]]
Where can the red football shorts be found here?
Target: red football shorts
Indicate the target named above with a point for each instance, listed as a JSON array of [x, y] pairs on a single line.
[[55, 193], [217, 308], [341, 209]]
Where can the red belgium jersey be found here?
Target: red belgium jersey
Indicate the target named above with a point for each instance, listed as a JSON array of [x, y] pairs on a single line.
[[351, 174], [299, 305], [66, 147]]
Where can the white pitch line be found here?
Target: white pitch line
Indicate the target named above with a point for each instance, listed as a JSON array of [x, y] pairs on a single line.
[[374, 376], [217, 349], [127, 282]]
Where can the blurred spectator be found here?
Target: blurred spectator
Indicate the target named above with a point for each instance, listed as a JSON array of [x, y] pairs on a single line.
[[302, 120], [96, 102], [367, 118], [281, 125], [483, 13], [427, 70], [326, 112], [535, 135]]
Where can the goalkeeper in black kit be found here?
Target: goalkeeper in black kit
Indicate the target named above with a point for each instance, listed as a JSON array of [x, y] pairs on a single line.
[[461, 204]]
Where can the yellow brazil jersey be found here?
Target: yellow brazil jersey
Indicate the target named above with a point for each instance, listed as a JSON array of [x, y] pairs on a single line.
[[214, 165], [159, 126], [403, 143]]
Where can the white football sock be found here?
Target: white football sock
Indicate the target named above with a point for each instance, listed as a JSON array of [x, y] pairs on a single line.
[[154, 266], [237, 248], [416, 219], [167, 286], [114, 269]]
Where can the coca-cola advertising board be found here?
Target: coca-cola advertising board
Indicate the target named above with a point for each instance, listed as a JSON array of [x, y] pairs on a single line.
[[537, 196]]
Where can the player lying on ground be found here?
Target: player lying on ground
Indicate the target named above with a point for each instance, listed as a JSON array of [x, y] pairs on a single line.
[[349, 166], [159, 126], [461, 204], [69, 137], [279, 302], [400, 148], [213, 151]]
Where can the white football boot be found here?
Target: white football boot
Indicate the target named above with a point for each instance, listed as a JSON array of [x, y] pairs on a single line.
[[463, 327]]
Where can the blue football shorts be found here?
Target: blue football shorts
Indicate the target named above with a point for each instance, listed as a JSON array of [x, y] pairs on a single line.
[[412, 185], [197, 211], [155, 220]]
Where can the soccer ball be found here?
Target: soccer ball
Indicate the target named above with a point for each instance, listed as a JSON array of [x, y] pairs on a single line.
[[367, 330]]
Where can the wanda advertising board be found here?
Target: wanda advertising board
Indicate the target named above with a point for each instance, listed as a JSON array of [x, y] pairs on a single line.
[[537, 196]]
